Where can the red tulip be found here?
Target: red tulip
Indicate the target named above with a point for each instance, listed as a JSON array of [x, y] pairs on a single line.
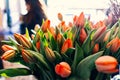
[[67, 44], [106, 64], [63, 69], [83, 35]]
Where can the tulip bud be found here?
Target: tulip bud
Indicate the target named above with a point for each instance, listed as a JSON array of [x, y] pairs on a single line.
[[67, 44], [83, 35], [38, 45], [107, 36], [7, 47], [106, 64], [114, 44], [60, 17], [49, 54], [17, 36], [99, 34], [28, 58], [63, 69], [96, 48], [25, 42], [37, 26], [8, 55], [59, 38], [45, 25], [80, 20]]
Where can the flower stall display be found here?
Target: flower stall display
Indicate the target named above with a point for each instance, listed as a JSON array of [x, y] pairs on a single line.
[[80, 50]]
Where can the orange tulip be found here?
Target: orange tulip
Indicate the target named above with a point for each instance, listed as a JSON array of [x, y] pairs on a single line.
[[59, 38], [75, 19], [83, 35], [38, 45], [60, 17], [52, 31], [8, 55], [45, 25], [107, 36], [99, 24], [49, 54], [80, 20], [17, 36], [63, 69], [67, 44], [7, 47], [28, 58], [114, 44], [25, 42], [96, 48], [106, 64]]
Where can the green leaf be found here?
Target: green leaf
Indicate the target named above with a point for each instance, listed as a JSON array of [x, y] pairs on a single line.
[[87, 44], [27, 34], [12, 72], [69, 51], [85, 67], [79, 55], [53, 44], [39, 58]]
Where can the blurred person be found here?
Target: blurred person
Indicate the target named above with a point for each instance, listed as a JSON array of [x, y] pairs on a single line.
[[35, 15]]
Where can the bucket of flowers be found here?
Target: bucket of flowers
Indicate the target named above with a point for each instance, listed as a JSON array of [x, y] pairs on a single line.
[[78, 51]]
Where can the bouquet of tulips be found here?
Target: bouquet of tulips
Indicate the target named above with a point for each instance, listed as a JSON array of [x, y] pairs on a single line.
[[80, 50]]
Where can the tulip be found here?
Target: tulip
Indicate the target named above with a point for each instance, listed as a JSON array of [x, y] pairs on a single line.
[[106, 64], [75, 19], [83, 35], [114, 44], [99, 34], [7, 47], [96, 48], [99, 24], [107, 36], [45, 25], [67, 44], [28, 57], [37, 26], [59, 38], [49, 54], [63, 69], [8, 55], [52, 31], [60, 17], [80, 20], [25, 42], [38, 45], [17, 36]]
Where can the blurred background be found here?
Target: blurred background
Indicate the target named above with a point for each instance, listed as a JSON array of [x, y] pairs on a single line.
[[12, 9]]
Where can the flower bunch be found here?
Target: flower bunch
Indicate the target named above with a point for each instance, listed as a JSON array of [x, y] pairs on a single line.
[[80, 50]]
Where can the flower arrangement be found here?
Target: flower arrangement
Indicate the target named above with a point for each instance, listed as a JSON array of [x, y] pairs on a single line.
[[80, 50]]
